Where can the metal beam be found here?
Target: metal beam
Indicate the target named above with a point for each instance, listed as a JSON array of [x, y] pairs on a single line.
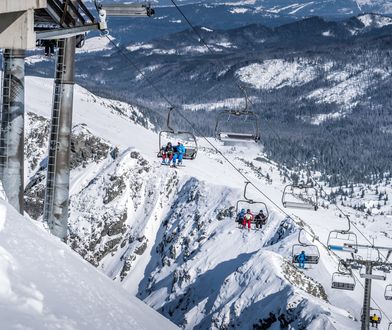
[[12, 128], [65, 33], [376, 247], [132, 10]]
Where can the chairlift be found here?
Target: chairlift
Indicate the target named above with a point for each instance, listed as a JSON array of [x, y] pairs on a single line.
[[312, 254], [388, 292], [248, 203], [343, 240], [238, 136], [373, 311], [343, 279], [300, 196], [188, 139]]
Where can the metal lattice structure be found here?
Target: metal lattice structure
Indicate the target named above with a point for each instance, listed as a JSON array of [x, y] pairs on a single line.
[[23, 25]]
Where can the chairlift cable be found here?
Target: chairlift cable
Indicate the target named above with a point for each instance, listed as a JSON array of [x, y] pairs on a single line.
[[201, 39], [296, 219]]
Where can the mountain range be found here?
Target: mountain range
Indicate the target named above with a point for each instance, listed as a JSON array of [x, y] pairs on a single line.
[[328, 80], [168, 236]]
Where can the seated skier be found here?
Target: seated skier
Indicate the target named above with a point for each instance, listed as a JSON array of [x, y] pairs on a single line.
[[178, 154], [167, 153], [240, 216], [260, 219], [374, 320], [301, 260], [248, 218]]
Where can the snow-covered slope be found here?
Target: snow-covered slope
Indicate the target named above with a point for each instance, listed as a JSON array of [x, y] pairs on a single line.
[[46, 285], [168, 235]]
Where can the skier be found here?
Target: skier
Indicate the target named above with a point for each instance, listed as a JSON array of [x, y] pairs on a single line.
[[301, 260], [240, 216], [179, 151], [375, 320], [260, 219], [167, 153], [248, 217], [49, 47]]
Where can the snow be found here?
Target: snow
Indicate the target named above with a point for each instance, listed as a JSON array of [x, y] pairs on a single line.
[[328, 34], [199, 271], [351, 85], [375, 21], [45, 285], [277, 74], [146, 70], [137, 46], [319, 119], [234, 103], [206, 29], [95, 44], [239, 10]]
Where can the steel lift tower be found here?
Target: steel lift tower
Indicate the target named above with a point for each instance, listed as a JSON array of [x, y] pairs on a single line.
[[22, 23], [75, 21], [369, 265], [16, 36]]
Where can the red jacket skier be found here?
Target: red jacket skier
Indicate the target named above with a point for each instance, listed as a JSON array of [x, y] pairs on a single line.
[[248, 218]]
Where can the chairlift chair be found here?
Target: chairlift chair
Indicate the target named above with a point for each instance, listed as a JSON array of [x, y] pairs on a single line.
[[187, 138], [300, 196], [388, 292], [248, 203], [372, 312], [312, 254], [343, 279], [241, 136], [343, 240], [340, 240]]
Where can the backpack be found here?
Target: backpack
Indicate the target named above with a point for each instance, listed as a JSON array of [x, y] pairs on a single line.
[[248, 216]]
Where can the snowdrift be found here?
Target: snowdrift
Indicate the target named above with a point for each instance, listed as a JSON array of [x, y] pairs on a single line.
[[45, 285]]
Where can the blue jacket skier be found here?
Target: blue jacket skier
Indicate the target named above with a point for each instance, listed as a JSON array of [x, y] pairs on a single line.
[[301, 259], [179, 152], [240, 216]]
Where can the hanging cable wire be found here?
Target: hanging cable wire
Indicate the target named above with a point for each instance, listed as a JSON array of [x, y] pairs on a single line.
[[300, 223], [202, 40]]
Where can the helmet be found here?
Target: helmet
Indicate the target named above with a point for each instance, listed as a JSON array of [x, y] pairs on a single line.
[[242, 210], [248, 210], [261, 211]]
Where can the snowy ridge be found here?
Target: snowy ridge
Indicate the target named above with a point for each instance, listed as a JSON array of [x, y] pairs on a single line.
[[277, 74], [45, 285], [169, 236]]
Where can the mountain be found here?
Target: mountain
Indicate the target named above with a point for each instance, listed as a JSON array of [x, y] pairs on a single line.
[[294, 7], [45, 285], [328, 80], [232, 14], [169, 236]]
